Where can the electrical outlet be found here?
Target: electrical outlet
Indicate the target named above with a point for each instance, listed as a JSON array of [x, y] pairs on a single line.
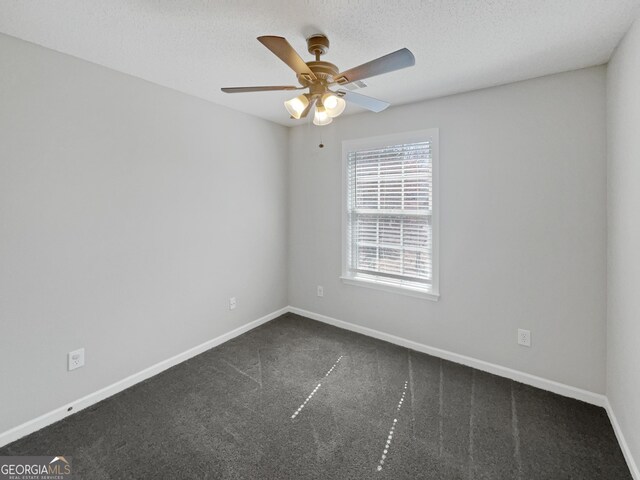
[[232, 303], [320, 291], [524, 337], [75, 359]]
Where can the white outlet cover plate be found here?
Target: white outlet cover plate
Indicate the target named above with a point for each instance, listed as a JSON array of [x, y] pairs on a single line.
[[524, 337], [75, 359]]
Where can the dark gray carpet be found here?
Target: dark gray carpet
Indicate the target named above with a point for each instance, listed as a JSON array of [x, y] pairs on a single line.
[[227, 414]]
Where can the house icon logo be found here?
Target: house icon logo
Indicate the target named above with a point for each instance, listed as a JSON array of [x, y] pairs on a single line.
[[59, 467]]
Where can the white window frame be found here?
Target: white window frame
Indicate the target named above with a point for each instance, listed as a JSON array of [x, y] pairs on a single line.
[[431, 135]]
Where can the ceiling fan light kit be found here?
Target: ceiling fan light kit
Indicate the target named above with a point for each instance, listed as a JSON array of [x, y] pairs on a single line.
[[296, 105], [333, 104], [321, 117], [319, 77]]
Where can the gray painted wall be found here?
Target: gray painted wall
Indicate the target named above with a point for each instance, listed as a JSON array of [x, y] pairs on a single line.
[[129, 214], [522, 175], [623, 279]]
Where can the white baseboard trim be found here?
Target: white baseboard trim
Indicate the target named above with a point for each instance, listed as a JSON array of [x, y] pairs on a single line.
[[95, 397], [624, 446], [526, 378]]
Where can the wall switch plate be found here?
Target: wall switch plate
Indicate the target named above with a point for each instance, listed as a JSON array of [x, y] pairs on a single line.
[[75, 359], [232, 303], [320, 291], [524, 337]]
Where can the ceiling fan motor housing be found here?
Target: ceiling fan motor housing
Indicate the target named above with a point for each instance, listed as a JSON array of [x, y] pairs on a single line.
[[325, 73]]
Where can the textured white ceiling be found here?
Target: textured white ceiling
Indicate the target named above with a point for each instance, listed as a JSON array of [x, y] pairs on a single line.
[[199, 46]]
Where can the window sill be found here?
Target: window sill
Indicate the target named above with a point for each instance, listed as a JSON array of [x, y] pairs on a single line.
[[385, 287]]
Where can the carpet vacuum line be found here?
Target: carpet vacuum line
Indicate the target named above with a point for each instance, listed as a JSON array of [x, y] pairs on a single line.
[[385, 451], [297, 412]]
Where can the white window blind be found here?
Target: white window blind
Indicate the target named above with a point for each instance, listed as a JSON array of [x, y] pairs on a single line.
[[390, 214]]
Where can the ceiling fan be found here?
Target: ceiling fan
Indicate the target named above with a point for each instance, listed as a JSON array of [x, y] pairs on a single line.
[[320, 77]]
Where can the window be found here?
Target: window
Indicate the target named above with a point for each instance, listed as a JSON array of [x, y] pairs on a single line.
[[390, 213]]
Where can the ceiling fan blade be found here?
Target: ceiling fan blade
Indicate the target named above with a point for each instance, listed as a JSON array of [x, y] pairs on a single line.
[[285, 52], [259, 89], [306, 111], [394, 61], [369, 103]]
